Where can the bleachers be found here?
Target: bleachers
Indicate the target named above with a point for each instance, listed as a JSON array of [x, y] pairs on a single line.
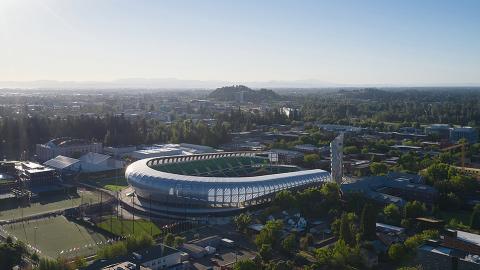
[[224, 167]]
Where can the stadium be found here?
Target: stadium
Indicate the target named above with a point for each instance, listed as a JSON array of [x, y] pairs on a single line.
[[211, 184]]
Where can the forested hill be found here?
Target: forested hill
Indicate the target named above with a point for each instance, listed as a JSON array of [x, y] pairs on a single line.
[[228, 93]]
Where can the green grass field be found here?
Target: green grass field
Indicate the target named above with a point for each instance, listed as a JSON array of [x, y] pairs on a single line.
[[51, 203], [56, 234], [113, 184], [124, 227]]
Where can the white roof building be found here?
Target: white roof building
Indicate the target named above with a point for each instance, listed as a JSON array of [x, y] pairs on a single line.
[[63, 163], [167, 150], [94, 162]]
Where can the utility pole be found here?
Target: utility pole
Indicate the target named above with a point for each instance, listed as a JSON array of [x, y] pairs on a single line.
[[133, 214], [35, 238], [150, 215]]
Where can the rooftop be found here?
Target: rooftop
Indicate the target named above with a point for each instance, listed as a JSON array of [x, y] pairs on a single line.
[[61, 162]]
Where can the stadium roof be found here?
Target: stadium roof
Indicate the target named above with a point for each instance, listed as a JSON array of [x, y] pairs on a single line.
[[142, 170], [61, 162], [94, 158]]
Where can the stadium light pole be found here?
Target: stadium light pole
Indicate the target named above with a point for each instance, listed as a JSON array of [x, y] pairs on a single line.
[[150, 215], [133, 214]]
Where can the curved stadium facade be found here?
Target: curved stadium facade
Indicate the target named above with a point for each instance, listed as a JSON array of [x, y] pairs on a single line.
[[210, 184]]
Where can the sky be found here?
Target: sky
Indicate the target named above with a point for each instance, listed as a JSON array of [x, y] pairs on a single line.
[[340, 42]]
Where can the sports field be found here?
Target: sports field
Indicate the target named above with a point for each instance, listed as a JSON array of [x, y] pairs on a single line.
[[57, 234], [113, 184], [52, 203], [122, 227]]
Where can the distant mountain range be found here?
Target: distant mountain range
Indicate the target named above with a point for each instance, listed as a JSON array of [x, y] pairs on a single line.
[[230, 93], [173, 83], [168, 83]]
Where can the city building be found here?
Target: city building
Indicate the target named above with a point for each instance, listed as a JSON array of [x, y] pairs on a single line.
[[455, 250], [440, 131], [288, 156], [336, 149], [211, 184], [468, 133], [154, 258], [34, 174], [94, 162], [63, 164], [88, 163], [339, 128], [119, 152], [291, 113], [66, 147], [307, 148], [453, 134], [396, 188]]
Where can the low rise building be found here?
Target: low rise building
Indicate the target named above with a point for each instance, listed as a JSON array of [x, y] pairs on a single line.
[[88, 163], [468, 133], [34, 174], [66, 146], [456, 250], [63, 164], [119, 152], [154, 258], [288, 156], [393, 188]]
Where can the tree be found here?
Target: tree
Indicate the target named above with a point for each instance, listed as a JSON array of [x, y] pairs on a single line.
[[284, 199], [266, 252], [306, 241], [245, 265], [279, 265], [169, 239], [270, 234], [48, 264], [378, 168], [79, 262], [311, 159], [392, 214], [178, 241], [437, 172], [351, 150], [367, 222], [11, 253], [346, 233], [415, 241], [289, 244], [396, 252], [340, 256], [475, 218], [242, 221], [35, 257], [414, 209], [418, 267]]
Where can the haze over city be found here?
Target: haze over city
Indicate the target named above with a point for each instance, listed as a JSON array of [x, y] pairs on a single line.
[[293, 44]]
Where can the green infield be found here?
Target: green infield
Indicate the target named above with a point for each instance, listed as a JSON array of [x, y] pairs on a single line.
[[10, 211], [114, 187], [57, 236], [113, 184], [123, 227]]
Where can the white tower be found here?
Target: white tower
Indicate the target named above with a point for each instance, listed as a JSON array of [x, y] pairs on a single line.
[[336, 150]]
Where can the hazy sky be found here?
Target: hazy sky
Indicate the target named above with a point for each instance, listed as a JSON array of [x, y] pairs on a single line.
[[353, 42]]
